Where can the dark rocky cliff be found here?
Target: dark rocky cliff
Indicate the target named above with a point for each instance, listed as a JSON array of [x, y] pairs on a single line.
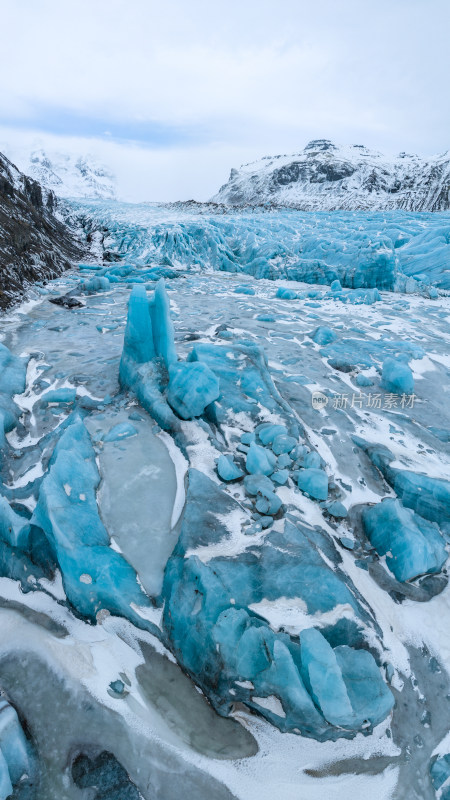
[[34, 244]]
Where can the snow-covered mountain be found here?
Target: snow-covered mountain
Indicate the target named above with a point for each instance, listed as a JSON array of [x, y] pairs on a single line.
[[70, 175], [327, 177]]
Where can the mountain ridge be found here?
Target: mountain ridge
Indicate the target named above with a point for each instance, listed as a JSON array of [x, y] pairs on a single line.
[[68, 175], [329, 177]]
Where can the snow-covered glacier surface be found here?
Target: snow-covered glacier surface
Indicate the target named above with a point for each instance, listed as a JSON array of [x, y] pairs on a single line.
[[224, 511]]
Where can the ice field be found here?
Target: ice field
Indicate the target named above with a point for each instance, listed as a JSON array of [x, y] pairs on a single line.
[[225, 510]]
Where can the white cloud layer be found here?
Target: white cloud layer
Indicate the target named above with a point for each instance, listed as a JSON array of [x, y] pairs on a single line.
[[202, 86], [143, 173]]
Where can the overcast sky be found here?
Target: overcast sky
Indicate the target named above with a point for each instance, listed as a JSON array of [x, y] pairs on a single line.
[[172, 94]]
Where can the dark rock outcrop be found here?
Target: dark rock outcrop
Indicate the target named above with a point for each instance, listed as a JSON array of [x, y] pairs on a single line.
[[34, 244]]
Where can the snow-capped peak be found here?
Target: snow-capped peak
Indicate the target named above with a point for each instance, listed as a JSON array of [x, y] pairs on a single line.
[[326, 176], [70, 175]]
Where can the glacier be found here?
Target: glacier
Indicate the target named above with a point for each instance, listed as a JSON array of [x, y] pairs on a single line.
[[224, 509], [387, 250]]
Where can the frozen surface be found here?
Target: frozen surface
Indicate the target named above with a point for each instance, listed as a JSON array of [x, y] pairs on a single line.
[[138, 473], [370, 250], [252, 600], [414, 546]]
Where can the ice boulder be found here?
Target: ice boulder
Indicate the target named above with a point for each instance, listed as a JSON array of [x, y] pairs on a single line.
[[314, 482], [260, 461], [95, 284], [412, 545], [227, 469], [255, 484], [192, 387], [280, 476], [345, 683], [267, 432], [361, 296], [426, 495], [269, 503], [363, 380], [283, 444], [323, 335], [337, 509], [370, 698], [284, 461], [397, 377], [286, 294], [312, 460]]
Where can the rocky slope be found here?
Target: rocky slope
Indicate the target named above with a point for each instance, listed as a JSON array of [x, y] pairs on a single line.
[[328, 177], [34, 244]]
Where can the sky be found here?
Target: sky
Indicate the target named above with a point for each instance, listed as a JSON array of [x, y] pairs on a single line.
[[171, 94]]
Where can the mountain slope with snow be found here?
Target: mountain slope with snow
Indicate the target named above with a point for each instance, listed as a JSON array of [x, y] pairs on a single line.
[[34, 244], [69, 175], [327, 177]]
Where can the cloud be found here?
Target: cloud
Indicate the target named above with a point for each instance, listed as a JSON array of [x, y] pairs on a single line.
[[143, 173], [172, 81]]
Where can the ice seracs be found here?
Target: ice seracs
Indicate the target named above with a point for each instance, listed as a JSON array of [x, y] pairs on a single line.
[[364, 252], [149, 363]]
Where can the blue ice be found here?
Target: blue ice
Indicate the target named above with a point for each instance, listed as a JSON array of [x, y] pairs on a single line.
[[412, 545]]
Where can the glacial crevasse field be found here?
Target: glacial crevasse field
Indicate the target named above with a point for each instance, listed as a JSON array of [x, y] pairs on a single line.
[[225, 509]]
